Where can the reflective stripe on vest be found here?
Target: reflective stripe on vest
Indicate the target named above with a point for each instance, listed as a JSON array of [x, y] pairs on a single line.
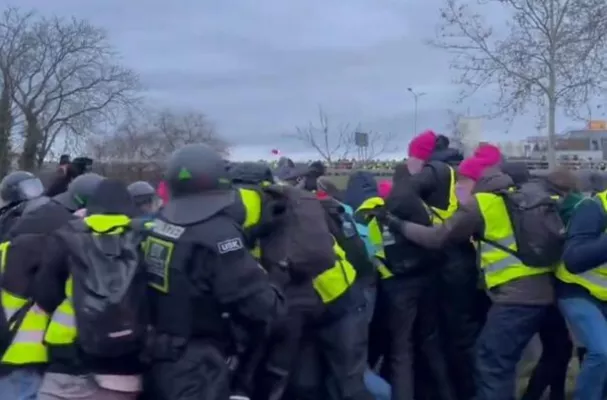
[[62, 328], [27, 345], [335, 281], [379, 257], [594, 280], [439, 215], [376, 237], [252, 205], [498, 266], [251, 200]]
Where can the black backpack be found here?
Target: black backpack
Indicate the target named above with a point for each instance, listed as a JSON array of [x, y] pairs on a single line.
[[536, 223], [298, 238], [109, 289]]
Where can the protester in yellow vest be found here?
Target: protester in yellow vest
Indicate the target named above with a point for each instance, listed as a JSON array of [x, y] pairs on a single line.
[[582, 292], [73, 373], [432, 167], [23, 354], [521, 293], [343, 351], [407, 312]]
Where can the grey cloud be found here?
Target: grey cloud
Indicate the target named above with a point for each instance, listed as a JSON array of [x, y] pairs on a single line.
[[260, 67]]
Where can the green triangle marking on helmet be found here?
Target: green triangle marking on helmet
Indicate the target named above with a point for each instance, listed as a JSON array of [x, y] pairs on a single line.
[[184, 174]]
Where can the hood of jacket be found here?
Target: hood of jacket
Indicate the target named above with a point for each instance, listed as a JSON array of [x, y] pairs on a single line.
[[518, 171], [493, 180], [361, 186], [449, 156]]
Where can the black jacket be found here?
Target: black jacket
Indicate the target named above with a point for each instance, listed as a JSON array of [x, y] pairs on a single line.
[[28, 250], [433, 183], [405, 204]]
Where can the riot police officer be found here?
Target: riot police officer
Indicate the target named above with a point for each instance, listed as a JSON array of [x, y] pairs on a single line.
[[20, 192], [145, 198], [78, 192], [200, 272]]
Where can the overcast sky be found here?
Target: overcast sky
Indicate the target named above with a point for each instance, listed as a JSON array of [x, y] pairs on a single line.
[[258, 68]]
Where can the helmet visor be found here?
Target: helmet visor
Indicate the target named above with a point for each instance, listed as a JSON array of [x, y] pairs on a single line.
[[25, 190], [30, 189]]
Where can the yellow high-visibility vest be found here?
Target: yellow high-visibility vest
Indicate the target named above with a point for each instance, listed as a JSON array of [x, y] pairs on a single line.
[[62, 328], [27, 345], [439, 215], [498, 266], [594, 280], [376, 236]]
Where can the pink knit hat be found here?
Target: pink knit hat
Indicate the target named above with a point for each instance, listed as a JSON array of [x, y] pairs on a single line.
[[489, 153], [473, 168], [422, 146], [384, 188]]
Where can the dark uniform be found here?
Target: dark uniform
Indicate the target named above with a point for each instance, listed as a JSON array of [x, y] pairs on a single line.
[[199, 273], [145, 198], [20, 192]]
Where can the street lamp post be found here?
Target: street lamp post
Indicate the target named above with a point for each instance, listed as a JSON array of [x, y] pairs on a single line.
[[416, 97]]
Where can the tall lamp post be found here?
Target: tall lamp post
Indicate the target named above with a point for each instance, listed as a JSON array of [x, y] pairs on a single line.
[[416, 97]]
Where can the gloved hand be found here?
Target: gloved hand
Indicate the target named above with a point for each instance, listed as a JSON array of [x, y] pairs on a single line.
[[394, 223], [388, 220]]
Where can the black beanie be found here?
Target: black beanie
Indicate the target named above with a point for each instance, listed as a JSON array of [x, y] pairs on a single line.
[[111, 197]]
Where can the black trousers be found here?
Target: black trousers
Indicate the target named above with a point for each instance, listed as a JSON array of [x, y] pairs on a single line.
[[462, 312], [332, 359], [551, 369], [200, 373], [409, 310]]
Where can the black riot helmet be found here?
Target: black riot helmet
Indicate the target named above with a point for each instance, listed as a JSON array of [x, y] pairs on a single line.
[[142, 192], [20, 186], [199, 185], [79, 191], [251, 173]]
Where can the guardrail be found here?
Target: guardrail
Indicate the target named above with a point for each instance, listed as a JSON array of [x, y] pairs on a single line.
[[533, 165]]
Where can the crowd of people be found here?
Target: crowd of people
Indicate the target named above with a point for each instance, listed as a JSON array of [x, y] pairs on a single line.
[[240, 281]]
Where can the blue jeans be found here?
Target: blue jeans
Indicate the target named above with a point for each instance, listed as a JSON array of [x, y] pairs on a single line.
[[587, 318], [20, 384], [379, 388], [370, 293], [500, 346]]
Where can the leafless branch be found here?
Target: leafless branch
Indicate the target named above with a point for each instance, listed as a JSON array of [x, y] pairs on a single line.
[[63, 79], [148, 138], [550, 52], [331, 143]]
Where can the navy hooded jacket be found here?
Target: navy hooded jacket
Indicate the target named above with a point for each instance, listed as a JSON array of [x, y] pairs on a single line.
[[361, 186]]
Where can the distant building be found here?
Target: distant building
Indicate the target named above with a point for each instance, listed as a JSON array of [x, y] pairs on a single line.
[[470, 133], [589, 143]]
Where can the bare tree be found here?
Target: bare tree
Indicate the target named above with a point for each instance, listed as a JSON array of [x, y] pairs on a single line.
[[13, 25], [64, 81], [552, 52], [144, 140], [331, 143]]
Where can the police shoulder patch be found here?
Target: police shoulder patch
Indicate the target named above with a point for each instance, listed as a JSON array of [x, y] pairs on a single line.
[[227, 246]]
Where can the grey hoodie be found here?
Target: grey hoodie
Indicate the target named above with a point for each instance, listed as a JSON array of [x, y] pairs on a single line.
[[468, 222]]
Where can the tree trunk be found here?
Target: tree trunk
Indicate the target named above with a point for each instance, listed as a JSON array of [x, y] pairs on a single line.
[[32, 140], [552, 161], [6, 125]]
